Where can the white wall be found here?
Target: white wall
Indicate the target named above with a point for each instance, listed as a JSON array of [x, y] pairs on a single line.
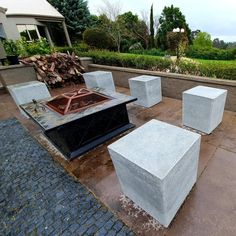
[[10, 25]]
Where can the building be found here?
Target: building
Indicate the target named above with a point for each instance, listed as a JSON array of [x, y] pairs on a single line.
[[30, 19]]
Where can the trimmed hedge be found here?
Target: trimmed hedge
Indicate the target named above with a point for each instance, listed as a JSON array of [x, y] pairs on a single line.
[[128, 60], [218, 69], [81, 47], [211, 53], [215, 69], [151, 52], [208, 68]]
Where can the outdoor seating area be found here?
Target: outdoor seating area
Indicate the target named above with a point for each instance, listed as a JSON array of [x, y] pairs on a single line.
[[161, 177], [117, 118]]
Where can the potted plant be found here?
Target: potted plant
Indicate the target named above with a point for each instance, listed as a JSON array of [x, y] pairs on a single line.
[[12, 51]]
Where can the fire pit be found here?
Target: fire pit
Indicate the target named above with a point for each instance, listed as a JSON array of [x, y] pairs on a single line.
[[75, 101], [80, 120]]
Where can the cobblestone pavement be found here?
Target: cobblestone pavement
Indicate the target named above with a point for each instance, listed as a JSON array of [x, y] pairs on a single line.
[[37, 197]]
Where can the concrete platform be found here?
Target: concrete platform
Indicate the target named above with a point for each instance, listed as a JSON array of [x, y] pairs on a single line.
[[209, 208], [25, 92], [99, 79], [147, 89], [203, 108], [159, 170]]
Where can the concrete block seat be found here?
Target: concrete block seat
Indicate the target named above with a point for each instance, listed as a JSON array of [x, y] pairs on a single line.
[[24, 92], [99, 79], [203, 108], [156, 165], [147, 89]]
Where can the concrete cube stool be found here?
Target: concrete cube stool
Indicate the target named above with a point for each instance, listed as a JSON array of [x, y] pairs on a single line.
[[99, 79], [147, 89], [203, 108], [156, 165], [24, 92]]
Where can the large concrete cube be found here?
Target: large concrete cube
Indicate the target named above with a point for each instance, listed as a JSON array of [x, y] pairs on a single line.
[[147, 89], [99, 79], [203, 108], [156, 165], [24, 92]]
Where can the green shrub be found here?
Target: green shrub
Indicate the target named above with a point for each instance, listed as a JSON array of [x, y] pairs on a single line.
[[210, 53], [11, 47], [34, 47], [97, 38], [82, 47], [187, 67], [151, 52], [25, 49], [136, 46], [126, 43], [218, 69], [65, 49]]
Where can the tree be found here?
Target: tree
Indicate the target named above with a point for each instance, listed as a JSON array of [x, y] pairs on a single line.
[[94, 21], [76, 13], [97, 38], [135, 29], [231, 45], [151, 28], [111, 10], [177, 42], [202, 40], [110, 21], [113, 28], [171, 18], [194, 34], [219, 43]]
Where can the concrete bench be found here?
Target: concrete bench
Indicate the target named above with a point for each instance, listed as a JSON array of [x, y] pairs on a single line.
[[156, 165], [99, 79], [147, 89], [24, 92], [203, 108]]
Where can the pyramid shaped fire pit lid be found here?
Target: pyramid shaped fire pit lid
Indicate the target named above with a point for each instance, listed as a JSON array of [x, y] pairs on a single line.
[[76, 100]]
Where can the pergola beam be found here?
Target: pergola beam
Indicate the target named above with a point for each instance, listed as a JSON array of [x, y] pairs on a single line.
[[49, 37], [66, 34]]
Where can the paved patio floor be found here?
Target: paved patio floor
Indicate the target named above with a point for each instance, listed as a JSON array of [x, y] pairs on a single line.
[[37, 197], [210, 209]]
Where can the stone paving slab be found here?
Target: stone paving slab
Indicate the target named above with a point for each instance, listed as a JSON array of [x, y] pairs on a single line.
[[37, 197]]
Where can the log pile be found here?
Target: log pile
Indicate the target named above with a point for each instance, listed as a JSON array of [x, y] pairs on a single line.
[[56, 68]]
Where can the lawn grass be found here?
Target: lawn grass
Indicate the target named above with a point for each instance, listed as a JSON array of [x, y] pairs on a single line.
[[217, 62]]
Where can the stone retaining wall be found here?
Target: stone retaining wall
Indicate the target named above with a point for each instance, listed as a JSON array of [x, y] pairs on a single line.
[[15, 74], [173, 84]]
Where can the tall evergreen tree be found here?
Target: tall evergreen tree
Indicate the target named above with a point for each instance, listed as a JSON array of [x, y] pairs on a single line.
[[76, 13], [151, 28]]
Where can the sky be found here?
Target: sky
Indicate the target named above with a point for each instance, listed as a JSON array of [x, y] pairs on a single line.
[[217, 17]]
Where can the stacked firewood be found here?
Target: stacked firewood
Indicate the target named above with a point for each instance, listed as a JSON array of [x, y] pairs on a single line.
[[56, 68]]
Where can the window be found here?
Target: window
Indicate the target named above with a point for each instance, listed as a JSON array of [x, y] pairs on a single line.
[[30, 32], [23, 32]]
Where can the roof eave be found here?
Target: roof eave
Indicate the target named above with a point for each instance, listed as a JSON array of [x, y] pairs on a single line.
[[39, 17]]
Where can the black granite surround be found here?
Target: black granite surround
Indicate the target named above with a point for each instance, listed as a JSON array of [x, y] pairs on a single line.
[[76, 133]]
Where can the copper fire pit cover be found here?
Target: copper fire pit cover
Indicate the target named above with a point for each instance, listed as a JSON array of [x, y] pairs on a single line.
[[75, 101]]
